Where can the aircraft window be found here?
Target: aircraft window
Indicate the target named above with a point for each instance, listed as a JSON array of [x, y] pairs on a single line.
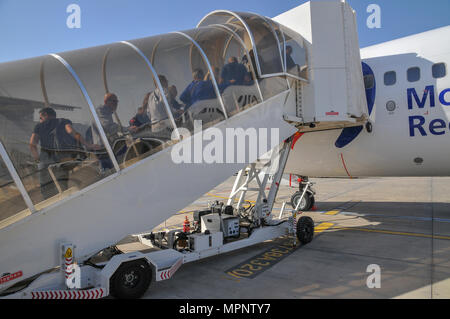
[[391, 106], [414, 74], [439, 70], [12, 205], [369, 81], [390, 78], [53, 158]]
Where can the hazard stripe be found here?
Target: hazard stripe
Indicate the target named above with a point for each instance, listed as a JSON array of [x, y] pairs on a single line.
[[167, 274], [95, 293]]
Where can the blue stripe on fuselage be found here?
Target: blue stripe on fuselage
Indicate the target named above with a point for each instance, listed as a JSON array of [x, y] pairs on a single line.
[[351, 133]]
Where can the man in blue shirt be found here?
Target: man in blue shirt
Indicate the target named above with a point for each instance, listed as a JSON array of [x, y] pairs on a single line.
[[58, 142], [198, 90], [233, 73]]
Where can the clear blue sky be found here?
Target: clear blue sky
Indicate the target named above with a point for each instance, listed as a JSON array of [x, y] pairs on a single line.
[[36, 27]]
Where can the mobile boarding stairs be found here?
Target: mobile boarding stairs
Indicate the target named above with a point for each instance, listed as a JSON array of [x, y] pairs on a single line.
[[52, 252]]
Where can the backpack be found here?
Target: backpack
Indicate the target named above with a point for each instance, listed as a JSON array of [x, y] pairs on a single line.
[[65, 146]]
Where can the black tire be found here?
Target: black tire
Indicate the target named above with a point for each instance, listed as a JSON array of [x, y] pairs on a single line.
[[131, 280], [305, 230], [306, 203], [369, 127]]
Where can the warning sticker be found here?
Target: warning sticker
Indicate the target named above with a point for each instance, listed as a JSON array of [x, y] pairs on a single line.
[[10, 277], [68, 253]]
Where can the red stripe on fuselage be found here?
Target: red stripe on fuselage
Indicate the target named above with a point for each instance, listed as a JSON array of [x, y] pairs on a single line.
[[296, 138], [345, 166]]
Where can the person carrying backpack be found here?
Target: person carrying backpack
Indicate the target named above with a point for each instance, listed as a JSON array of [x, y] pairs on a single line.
[[58, 142]]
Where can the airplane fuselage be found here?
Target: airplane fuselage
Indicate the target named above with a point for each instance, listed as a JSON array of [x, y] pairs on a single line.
[[409, 106]]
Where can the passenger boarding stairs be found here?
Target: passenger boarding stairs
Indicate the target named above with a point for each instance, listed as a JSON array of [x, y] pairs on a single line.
[[141, 196]]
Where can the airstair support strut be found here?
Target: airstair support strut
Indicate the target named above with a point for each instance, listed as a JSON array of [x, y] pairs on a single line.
[[273, 168]]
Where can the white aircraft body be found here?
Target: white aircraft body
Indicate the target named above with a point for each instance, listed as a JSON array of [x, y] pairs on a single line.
[[409, 105]]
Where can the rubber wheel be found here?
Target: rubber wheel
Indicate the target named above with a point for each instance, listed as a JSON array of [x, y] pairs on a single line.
[[305, 230], [131, 280], [306, 202]]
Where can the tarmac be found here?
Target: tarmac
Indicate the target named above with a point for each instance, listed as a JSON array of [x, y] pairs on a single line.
[[375, 238]]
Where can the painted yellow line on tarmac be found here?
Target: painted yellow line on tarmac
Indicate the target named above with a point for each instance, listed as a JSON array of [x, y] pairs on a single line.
[[181, 212], [392, 232], [322, 227], [333, 212], [213, 195]]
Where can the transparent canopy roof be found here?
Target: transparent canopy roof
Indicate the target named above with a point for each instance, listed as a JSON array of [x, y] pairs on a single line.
[[123, 102]]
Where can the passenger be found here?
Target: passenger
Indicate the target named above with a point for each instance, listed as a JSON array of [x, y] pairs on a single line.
[[289, 61], [247, 64], [59, 142], [105, 115], [198, 90], [248, 79], [244, 61], [157, 111], [216, 71], [233, 73], [222, 86], [140, 119], [172, 99], [111, 129]]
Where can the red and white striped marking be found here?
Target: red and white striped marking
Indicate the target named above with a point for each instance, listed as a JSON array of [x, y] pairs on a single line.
[[166, 274], [10, 277], [68, 263], [95, 293]]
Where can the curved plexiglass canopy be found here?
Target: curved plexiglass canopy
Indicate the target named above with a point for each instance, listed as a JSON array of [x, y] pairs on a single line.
[[69, 120], [276, 49]]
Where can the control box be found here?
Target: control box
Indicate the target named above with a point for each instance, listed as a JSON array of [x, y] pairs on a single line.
[[229, 225], [210, 222], [199, 242]]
